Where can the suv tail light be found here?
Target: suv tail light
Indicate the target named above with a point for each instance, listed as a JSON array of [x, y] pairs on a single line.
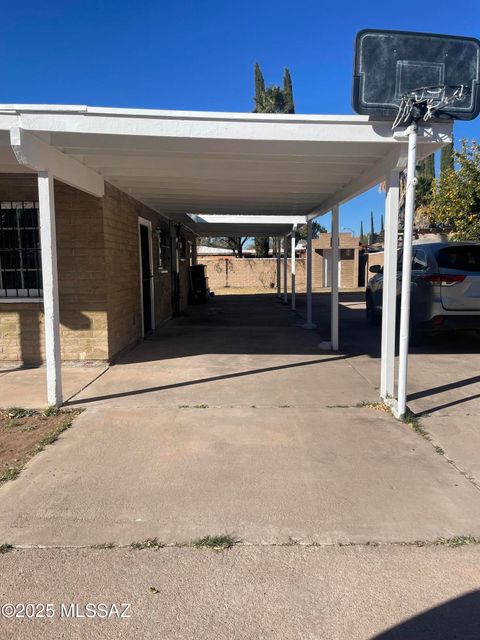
[[445, 280]]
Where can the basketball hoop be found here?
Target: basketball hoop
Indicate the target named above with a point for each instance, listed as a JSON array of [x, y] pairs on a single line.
[[427, 102], [405, 77]]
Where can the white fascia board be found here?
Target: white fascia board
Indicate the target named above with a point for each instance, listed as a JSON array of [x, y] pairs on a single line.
[[221, 129], [36, 154], [46, 108], [176, 114], [246, 219]]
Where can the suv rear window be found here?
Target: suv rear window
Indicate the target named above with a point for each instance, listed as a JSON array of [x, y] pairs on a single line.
[[462, 258]]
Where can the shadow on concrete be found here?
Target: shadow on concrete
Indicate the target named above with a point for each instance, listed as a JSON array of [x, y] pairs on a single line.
[[188, 383], [244, 325], [457, 619]]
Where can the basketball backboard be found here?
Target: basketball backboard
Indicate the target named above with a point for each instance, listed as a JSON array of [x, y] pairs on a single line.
[[389, 65]]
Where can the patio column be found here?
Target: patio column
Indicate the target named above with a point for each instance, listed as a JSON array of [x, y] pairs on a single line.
[[48, 243], [334, 290], [389, 301], [309, 323], [279, 277], [293, 265], [406, 272], [285, 270]]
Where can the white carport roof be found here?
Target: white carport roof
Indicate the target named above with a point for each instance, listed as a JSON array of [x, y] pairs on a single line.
[[234, 164], [222, 174]]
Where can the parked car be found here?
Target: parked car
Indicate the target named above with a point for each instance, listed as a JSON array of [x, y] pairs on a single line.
[[445, 293]]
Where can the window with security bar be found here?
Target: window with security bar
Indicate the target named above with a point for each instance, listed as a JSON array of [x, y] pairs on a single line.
[[20, 260]]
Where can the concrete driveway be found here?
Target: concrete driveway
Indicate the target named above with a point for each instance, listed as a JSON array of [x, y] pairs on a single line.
[[231, 420]]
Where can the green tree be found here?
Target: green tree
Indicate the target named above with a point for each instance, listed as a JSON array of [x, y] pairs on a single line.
[[317, 229], [455, 197], [262, 247], [288, 92], [273, 99], [372, 227], [362, 235], [382, 224], [259, 83], [425, 179], [446, 158]]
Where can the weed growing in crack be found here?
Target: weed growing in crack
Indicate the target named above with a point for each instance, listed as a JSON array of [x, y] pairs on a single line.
[[456, 541], [378, 406], [148, 543], [5, 548], [224, 541]]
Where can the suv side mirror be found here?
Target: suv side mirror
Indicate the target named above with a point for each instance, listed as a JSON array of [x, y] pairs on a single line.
[[376, 268]]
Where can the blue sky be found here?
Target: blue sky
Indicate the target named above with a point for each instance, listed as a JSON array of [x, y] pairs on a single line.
[[200, 55]]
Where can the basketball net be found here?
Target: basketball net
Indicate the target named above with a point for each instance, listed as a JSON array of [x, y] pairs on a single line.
[[425, 102]]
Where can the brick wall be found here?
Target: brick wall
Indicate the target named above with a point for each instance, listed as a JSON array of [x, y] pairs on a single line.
[[261, 273], [99, 277], [81, 281], [249, 273]]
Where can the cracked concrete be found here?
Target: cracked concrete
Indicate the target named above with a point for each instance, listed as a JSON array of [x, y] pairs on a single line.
[[275, 456]]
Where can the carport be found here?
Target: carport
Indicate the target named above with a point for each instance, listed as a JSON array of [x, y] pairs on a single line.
[[217, 174]]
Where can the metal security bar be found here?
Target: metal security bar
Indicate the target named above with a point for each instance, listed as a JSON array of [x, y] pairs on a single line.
[[20, 260]]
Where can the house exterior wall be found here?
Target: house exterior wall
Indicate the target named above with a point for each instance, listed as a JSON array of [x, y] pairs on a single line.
[[81, 281], [98, 277]]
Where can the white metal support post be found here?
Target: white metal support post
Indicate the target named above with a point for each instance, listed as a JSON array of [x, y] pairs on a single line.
[[279, 251], [389, 302], [293, 265], [309, 323], [285, 270], [406, 271], [334, 291], [48, 243]]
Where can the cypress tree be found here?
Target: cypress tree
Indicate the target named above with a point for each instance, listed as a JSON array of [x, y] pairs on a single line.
[[426, 176], [288, 92], [426, 168], [382, 228], [372, 227], [362, 235], [259, 86], [446, 158]]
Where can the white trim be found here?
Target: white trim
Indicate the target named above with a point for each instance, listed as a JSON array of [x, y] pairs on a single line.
[[146, 223], [36, 154]]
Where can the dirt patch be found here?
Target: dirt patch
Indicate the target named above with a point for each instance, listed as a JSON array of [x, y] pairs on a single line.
[[25, 432]]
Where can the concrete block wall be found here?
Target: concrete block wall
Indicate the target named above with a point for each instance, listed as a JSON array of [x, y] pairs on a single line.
[[249, 273], [261, 273]]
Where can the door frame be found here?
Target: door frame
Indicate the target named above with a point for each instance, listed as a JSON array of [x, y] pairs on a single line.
[[146, 223]]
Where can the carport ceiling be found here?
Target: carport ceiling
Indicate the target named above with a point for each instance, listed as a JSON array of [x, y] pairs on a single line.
[[224, 163]]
